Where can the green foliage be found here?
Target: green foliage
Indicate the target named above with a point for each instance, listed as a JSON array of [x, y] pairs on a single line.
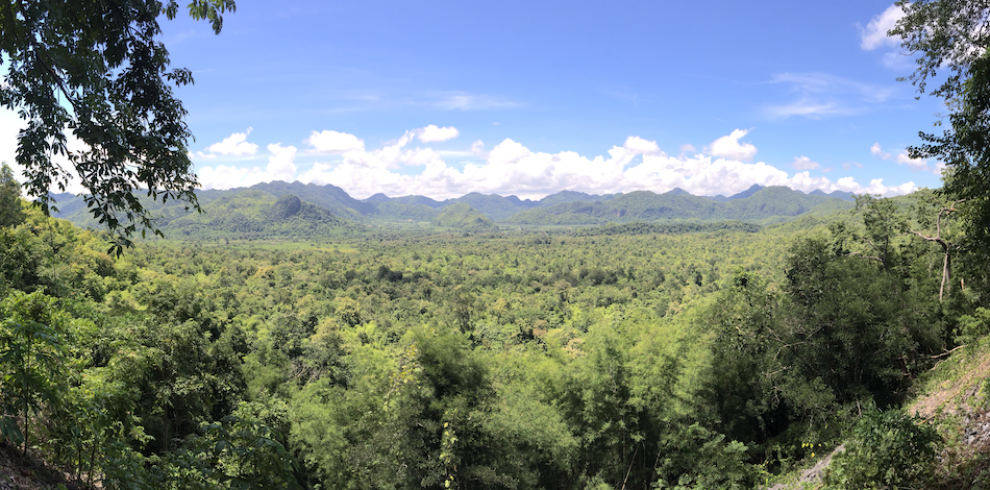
[[10, 198], [238, 453], [940, 32], [888, 450], [667, 227], [98, 69], [31, 358], [974, 327], [623, 356]]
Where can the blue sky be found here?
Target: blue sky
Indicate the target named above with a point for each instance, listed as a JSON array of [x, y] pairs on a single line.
[[442, 98]]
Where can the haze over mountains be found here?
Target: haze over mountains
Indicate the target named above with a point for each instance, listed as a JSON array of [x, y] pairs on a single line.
[[281, 208]]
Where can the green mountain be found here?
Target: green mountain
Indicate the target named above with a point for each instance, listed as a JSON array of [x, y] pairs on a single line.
[[400, 211], [764, 204], [329, 197], [241, 210], [461, 215], [255, 214]]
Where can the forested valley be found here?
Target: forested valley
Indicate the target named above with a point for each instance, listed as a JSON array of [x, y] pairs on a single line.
[[628, 356]]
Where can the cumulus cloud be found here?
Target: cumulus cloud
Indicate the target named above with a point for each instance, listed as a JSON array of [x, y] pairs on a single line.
[[874, 35], [478, 149], [939, 168], [234, 145], [433, 134], [280, 166], [510, 167], [804, 163], [877, 151], [508, 152], [915, 164], [334, 142], [640, 145], [730, 147], [688, 148]]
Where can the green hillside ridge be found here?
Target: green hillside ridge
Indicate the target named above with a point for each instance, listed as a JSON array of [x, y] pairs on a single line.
[[400, 211], [462, 216], [567, 208], [329, 197], [255, 213], [767, 203]]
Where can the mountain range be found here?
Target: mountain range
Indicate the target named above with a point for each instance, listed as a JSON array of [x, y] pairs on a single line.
[[279, 208]]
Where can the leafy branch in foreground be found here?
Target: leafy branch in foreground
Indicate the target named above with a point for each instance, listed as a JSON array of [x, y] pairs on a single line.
[[97, 70]]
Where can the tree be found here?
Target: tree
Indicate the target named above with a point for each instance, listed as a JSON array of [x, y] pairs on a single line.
[[954, 35], [96, 68], [10, 198]]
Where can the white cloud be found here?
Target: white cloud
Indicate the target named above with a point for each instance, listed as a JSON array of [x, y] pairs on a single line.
[[875, 33], [334, 142], [939, 168], [478, 149], [640, 145], [688, 148], [508, 152], [433, 134], [877, 151], [512, 168], [804, 163], [729, 147], [915, 164], [234, 145], [10, 126], [509, 168], [280, 166]]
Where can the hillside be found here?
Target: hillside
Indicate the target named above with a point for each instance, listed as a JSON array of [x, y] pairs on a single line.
[[740, 352], [255, 214], [462, 216], [240, 210], [763, 204]]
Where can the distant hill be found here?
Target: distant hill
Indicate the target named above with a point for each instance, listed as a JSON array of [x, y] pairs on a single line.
[[747, 193], [252, 213], [399, 211], [462, 216], [329, 197], [761, 205], [846, 196], [293, 204]]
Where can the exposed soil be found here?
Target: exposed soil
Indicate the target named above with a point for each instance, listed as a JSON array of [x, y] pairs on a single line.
[[811, 476], [19, 472], [955, 396]]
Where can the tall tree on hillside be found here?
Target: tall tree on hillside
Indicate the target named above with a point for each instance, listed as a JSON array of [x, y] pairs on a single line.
[[953, 36], [10, 198], [97, 69]]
